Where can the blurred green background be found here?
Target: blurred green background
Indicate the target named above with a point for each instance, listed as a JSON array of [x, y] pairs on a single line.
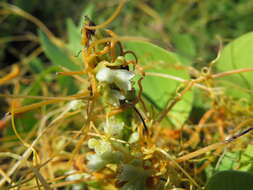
[[192, 28]]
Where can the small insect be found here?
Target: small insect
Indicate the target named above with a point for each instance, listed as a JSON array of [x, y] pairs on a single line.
[[87, 33]]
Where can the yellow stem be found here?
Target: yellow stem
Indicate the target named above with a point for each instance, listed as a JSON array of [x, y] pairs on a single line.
[[14, 73], [39, 104], [109, 39], [201, 151], [109, 20]]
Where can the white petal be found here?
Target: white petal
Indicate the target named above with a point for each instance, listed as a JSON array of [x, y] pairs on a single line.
[[105, 75], [95, 162], [122, 79], [92, 143], [103, 147], [113, 127], [124, 74]]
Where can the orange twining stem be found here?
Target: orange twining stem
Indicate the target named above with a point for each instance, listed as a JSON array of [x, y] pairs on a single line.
[[213, 146], [39, 104], [109, 20], [110, 39], [88, 60], [201, 151], [14, 73], [34, 106], [70, 73], [102, 52], [113, 45], [91, 54], [109, 48]]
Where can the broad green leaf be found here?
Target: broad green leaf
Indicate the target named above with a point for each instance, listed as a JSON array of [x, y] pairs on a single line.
[[88, 11], [185, 47], [229, 161], [161, 90], [74, 37], [246, 161], [238, 55], [56, 55], [231, 180], [60, 58], [240, 160], [67, 84]]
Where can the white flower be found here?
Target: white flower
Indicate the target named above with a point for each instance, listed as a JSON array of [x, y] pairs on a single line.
[[105, 75], [120, 77], [95, 162], [134, 137], [100, 146], [113, 127]]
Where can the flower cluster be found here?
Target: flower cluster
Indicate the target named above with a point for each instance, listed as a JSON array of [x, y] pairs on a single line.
[[117, 81], [112, 147], [104, 154]]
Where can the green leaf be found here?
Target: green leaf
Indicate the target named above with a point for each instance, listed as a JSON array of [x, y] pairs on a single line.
[[161, 90], [68, 84], [60, 58], [35, 88], [238, 55], [246, 161], [229, 161], [36, 65], [74, 37], [231, 180], [56, 55], [88, 11], [185, 46], [240, 160]]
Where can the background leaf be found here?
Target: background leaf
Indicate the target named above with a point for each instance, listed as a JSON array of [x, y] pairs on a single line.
[[36, 65], [56, 55], [239, 160], [74, 37], [60, 58], [236, 55], [231, 180], [185, 47], [247, 159], [160, 90]]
